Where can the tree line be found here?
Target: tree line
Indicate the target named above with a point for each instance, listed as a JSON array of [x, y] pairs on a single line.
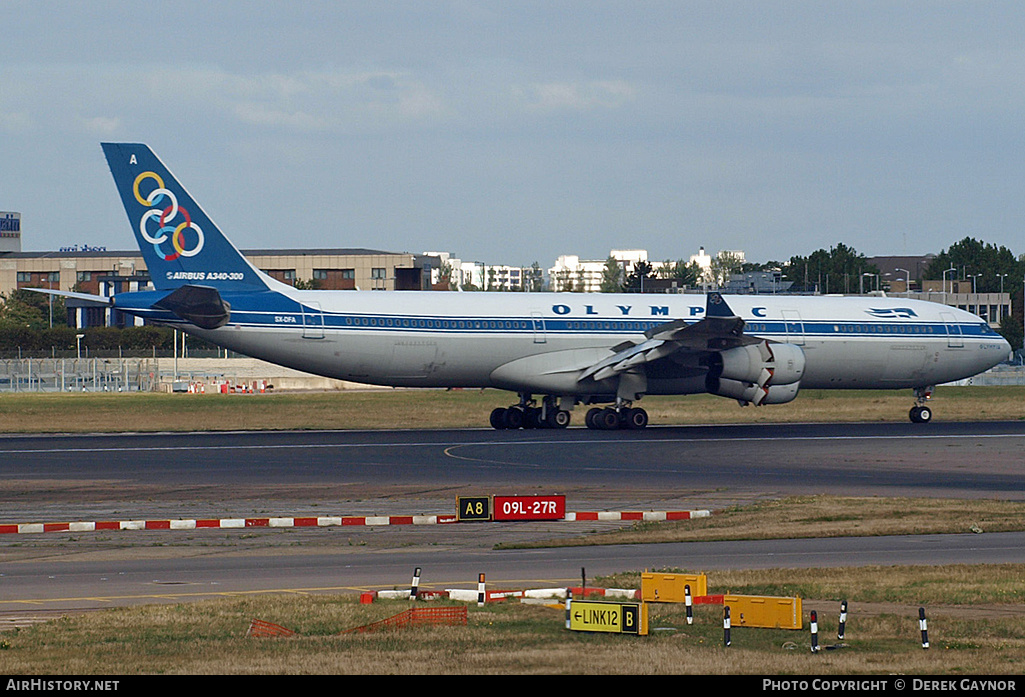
[[35, 323], [992, 269]]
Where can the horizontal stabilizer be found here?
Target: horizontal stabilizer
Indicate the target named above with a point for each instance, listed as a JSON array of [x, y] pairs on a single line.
[[198, 305], [78, 296]]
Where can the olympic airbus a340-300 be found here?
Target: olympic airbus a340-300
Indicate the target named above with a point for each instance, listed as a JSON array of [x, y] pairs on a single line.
[[554, 350]]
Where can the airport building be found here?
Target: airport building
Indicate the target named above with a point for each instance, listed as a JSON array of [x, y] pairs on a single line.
[[571, 273], [10, 232], [992, 307]]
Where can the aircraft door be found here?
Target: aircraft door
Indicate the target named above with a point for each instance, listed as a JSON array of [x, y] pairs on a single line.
[[313, 321], [954, 336], [538, 322], [794, 327]]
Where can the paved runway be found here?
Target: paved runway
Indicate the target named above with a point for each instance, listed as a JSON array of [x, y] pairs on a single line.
[[86, 584], [47, 478], [939, 459]]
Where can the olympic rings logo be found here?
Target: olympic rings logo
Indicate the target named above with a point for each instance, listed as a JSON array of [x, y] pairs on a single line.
[[167, 228]]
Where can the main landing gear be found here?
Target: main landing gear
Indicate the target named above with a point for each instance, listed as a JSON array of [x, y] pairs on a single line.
[[920, 413], [611, 418], [550, 414], [527, 414]]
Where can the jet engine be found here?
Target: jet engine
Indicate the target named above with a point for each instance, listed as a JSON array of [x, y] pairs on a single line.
[[758, 374], [749, 393]]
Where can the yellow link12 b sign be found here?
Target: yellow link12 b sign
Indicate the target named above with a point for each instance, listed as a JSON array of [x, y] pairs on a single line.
[[617, 618]]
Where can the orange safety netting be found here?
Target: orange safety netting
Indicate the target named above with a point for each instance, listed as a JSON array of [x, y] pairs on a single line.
[[418, 617], [260, 628]]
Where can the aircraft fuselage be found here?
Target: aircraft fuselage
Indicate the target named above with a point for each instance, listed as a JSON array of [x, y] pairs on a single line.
[[454, 339]]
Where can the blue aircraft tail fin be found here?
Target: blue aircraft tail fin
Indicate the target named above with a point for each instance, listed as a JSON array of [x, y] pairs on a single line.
[[179, 243], [716, 306]]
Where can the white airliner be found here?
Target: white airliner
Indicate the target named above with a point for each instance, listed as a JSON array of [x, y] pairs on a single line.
[[567, 348]]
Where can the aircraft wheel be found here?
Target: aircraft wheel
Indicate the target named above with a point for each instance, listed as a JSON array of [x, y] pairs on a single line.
[[498, 418], [920, 415], [558, 418], [532, 418], [635, 419], [513, 418], [591, 420], [607, 419]]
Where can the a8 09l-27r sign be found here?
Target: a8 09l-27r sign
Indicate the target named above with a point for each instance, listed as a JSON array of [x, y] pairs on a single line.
[[529, 507]]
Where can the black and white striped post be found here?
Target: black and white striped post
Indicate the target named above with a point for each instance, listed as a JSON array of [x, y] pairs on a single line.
[[924, 626], [415, 586], [814, 632], [480, 590], [569, 603], [726, 625], [843, 620], [690, 604]]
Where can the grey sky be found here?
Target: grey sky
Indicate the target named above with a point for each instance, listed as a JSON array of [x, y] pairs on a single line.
[[519, 131]]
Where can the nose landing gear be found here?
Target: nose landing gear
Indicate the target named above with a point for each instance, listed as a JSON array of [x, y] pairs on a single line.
[[920, 413]]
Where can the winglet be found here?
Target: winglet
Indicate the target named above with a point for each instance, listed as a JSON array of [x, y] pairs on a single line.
[[716, 306]]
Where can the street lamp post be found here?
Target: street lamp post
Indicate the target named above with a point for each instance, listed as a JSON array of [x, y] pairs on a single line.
[[952, 268], [49, 285], [1000, 302], [907, 281]]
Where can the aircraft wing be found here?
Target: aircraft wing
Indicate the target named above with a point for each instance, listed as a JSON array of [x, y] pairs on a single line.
[[719, 330]]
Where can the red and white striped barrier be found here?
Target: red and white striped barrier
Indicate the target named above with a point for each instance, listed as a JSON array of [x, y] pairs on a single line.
[[635, 515], [467, 595], [471, 595], [228, 523], [319, 521]]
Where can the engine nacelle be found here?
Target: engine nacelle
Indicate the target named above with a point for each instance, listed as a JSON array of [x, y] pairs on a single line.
[[788, 366], [749, 393], [744, 364], [743, 392], [781, 394], [761, 364]]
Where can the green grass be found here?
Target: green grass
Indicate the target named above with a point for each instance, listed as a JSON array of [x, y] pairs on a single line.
[[512, 638], [426, 409], [817, 516]]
